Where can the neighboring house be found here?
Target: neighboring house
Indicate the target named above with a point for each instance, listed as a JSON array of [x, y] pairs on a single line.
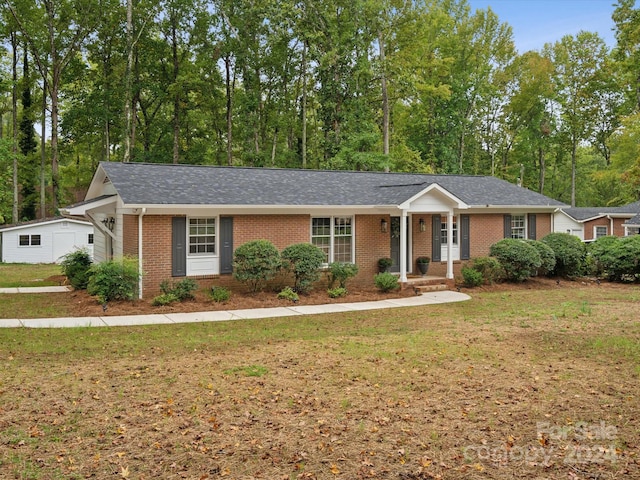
[[44, 241], [591, 223], [187, 220]]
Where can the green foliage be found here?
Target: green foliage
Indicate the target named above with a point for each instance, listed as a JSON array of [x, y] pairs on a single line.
[[287, 293], [255, 263], [489, 267], [304, 261], [164, 299], [471, 277], [570, 254], [547, 257], [337, 292], [518, 259], [617, 258], [341, 272], [386, 281], [75, 266], [220, 294], [384, 263], [114, 279], [181, 289], [600, 255]]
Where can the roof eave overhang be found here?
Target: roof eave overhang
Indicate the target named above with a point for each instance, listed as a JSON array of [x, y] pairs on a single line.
[[89, 206]]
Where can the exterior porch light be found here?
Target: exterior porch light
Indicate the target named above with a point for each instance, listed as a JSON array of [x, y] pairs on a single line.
[[383, 225], [109, 223], [422, 225]]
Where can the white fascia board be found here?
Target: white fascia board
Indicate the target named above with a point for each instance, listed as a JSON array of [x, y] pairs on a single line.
[[512, 208], [459, 204], [262, 209], [81, 210], [47, 222]]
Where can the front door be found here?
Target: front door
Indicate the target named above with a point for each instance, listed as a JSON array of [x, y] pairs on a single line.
[[394, 231]]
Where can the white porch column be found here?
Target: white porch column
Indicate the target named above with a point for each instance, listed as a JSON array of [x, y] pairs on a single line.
[[450, 245], [403, 246]]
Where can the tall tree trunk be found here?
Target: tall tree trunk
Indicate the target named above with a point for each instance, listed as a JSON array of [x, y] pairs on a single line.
[[304, 105], [385, 100], [176, 99], [128, 96], [43, 151], [227, 66], [14, 120]]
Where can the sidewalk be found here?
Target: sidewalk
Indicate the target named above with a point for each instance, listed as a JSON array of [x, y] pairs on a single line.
[[35, 289], [226, 315]]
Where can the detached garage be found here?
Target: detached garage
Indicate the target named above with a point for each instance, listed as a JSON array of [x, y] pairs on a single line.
[[44, 241]]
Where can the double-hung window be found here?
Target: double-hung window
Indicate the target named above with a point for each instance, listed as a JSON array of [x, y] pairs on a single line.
[[443, 231], [202, 236], [334, 236], [518, 229]]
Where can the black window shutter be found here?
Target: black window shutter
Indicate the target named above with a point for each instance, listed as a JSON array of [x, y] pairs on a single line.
[[179, 246], [507, 226], [532, 226], [465, 247], [436, 227]]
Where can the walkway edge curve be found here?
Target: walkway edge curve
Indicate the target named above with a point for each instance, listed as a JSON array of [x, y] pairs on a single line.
[[227, 315]]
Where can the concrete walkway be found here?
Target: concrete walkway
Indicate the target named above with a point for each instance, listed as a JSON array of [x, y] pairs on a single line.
[[226, 315], [52, 289]]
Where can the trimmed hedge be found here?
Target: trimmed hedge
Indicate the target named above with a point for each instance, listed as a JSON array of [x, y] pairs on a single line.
[[617, 259], [304, 261], [570, 254], [255, 263], [519, 259], [547, 256]]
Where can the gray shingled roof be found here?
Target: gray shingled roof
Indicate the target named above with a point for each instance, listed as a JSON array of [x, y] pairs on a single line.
[[634, 221], [585, 213], [168, 184]]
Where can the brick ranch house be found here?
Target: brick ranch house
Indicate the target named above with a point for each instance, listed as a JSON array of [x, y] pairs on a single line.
[[591, 223], [187, 220]]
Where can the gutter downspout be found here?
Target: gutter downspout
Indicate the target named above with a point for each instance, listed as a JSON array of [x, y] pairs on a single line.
[[403, 247], [140, 215], [610, 225]]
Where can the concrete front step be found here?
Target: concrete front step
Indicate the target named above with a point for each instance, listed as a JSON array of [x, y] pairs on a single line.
[[437, 287]]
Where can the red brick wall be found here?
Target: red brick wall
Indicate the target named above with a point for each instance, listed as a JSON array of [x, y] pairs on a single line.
[[599, 222], [130, 240], [281, 230], [371, 245], [156, 252]]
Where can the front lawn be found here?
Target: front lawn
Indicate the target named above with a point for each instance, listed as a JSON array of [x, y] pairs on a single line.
[[516, 383], [29, 275]]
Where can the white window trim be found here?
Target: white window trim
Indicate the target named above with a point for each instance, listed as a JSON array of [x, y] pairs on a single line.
[[525, 227], [332, 235], [30, 244], [215, 240], [595, 231]]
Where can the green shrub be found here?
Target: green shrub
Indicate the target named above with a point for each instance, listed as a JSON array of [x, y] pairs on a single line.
[[287, 293], [220, 294], [600, 255], [471, 277], [490, 269], [570, 254], [164, 299], [75, 266], [623, 260], [182, 289], [386, 281], [304, 261], [114, 279], [337, 292], [547, 257], [341, 272], [518, 259], [255, 263]]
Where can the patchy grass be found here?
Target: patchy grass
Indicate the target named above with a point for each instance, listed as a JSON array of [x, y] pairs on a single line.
[[29, 275], [539, 383]]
